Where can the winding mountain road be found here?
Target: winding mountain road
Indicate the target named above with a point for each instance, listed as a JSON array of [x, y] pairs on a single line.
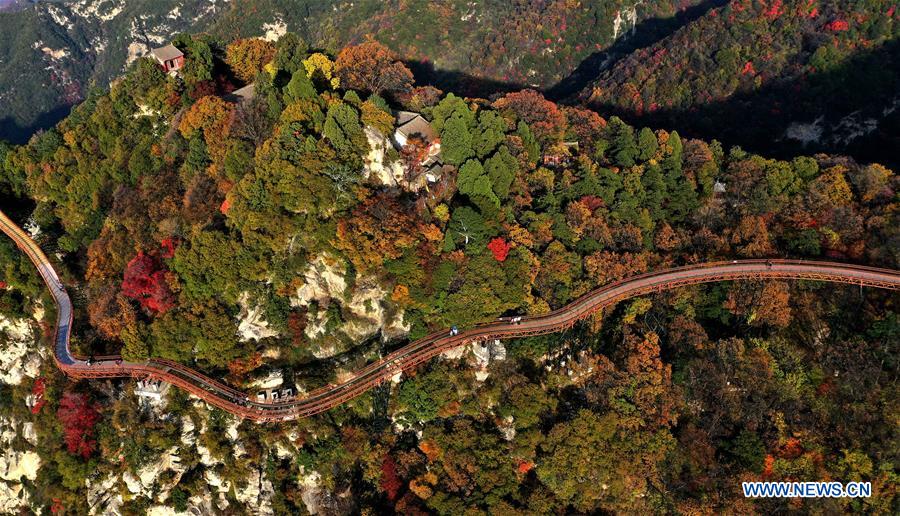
[[325, 398]]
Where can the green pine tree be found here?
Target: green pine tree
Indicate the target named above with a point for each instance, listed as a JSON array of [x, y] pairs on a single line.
[[456, 141]]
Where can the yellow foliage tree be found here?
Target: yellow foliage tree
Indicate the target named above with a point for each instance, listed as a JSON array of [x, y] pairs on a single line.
[[246, 57], [320, 69]]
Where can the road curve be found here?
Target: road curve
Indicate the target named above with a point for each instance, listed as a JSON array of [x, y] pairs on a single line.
[[330, 396]]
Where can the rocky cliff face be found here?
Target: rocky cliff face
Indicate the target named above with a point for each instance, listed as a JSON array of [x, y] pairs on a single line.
[[20, 359], [342, 314]]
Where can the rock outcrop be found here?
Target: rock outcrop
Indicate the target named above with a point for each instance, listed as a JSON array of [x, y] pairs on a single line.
[[20, 357], [375, 167], [251, 323], [364, 307]]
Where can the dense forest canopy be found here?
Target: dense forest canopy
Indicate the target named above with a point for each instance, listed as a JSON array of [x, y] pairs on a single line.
[[175, 207], [53, 53], [776, 76]]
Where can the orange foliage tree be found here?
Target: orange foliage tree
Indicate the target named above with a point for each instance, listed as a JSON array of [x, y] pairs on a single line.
[[372, 67], [544, 117], [379, 229], [604, 267], [212, 116], [761, 306]]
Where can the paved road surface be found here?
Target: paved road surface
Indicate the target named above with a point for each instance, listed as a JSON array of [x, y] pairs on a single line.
[[325, 398]]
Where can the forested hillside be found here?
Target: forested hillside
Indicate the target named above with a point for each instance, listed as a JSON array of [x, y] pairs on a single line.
[[774, 76], [53, 53], [286, 232]]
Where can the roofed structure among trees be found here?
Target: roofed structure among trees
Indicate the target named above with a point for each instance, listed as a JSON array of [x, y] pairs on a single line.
[[169, 57], [411, 124]]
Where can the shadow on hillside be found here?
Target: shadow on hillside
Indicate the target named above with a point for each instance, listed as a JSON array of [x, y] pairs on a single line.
[[645, 34], [459, 82], [11, 131], [16, 208], [866, 84]]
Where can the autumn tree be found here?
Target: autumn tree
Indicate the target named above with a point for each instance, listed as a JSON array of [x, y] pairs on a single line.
[[768, 303], [373, 68], [499, 248], [751, 237], [320, 70], [379, 229], [413, 155], [605, 266], [542, 115], [473, 467], [390, 482], [111, 313], [246, 57], [146, 281], [78, 416], [212, 117]]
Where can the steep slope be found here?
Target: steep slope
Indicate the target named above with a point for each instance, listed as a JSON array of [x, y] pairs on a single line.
[[473, 47], [819, 73], [51, 53]]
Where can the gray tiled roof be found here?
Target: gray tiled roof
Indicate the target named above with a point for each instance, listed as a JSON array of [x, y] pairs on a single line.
[[166, 53]]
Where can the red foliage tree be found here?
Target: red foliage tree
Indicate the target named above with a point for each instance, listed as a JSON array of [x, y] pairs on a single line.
[[78, 417], [838, 26], [37, 390], [390, 481], [585, 125], [297, 321], [774, 11], [500, 248], [592, 202], [146, 282], [168, 246], [225, 206]]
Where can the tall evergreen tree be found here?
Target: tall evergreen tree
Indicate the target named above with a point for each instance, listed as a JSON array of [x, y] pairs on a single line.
[[501, 169], [528, 141], [456, 141], [647, 144], [656, 191], [623, 149], [682, 196], [490, 133], [300, 88]]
